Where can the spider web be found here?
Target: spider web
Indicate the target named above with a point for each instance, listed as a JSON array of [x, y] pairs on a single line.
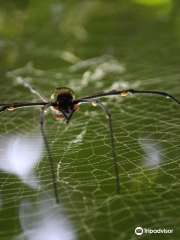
[[146, 132]]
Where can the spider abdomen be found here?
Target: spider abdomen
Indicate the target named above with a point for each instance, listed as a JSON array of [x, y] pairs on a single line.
[[63, 91]]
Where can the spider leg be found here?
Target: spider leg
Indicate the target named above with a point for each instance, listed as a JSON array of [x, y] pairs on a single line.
[[34, 90], [108, 115], [166, 95], [124, 93], [46, 105], [71, 114], [4, 108], [10, 107], [64, 114], [48, 150], [68, 118]]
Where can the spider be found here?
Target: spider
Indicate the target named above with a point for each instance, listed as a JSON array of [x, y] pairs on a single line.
[[64, 104]]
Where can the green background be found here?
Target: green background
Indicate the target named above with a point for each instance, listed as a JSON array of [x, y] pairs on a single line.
[[41, 40]]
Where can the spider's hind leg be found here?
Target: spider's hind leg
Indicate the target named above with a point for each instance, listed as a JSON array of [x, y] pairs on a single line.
[[34, 90]]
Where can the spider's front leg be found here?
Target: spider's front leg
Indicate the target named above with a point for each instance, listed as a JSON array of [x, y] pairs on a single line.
[[76, 107], [5, 108], [43, 109]]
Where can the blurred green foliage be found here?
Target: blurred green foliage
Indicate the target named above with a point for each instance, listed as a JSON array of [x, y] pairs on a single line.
[[30, 30], [143, 35]]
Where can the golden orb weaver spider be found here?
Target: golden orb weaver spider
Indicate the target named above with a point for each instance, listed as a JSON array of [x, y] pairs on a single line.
[[63, 102]]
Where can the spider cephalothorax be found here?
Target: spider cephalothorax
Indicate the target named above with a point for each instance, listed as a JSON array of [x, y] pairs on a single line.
[[64, 102]]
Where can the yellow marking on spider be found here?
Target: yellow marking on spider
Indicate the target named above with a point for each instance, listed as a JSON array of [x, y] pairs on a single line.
[[10, 108], [45, 110], [94, 103], [124, 93], [167, 96], [60, 90]]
